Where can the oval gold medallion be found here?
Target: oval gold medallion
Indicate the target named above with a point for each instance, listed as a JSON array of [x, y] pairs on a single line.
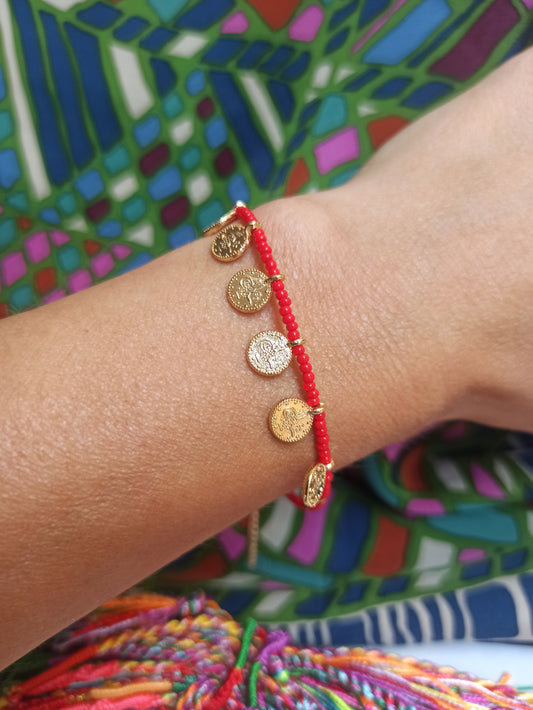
[[269, 353], [313, 486], [230, 242], [291, 419], [249, 290]]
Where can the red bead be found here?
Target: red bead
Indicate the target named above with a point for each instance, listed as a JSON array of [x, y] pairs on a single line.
[[324, 455], [283, 299], [284, 310], [305, 367], [311, 389], [271, 266], [245, 214], [265, 251], [277, 285], [313, 401], [302, 356], [322, 439], [293, 333], [308, 377], [288, 318], [321, 417]]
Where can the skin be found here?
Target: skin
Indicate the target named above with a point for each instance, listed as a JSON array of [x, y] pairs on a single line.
[[132, 427]]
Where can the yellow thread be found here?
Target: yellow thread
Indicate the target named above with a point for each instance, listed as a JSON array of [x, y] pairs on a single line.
[[155, 686]]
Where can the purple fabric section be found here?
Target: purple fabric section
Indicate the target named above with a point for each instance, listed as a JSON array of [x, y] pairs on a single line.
[[476, 45], [306, 545]]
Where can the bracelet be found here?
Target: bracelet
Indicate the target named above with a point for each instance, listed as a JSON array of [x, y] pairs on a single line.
[[270, 352]]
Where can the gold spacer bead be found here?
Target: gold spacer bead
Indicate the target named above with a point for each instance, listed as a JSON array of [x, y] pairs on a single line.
[[318, 410], [250, 226], [275, 277], [298, 341], [329, 466]]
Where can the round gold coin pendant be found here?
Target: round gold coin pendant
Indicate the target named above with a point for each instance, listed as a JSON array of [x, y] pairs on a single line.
[[290, 420], [249, 290], [230, 242], [269, 353], [313, 485]]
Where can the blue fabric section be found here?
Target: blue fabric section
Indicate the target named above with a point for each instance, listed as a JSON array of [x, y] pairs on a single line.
[[164, 74], [277, 59], [296, 141], [52, 146], [99, 15], [458, 620], [315, 605], [391, 88], [130, 29], [393, 585], [398, 635], [281, 176], [337, 41], [342, 14], [476, 569], [376, 632], [433, 611], [283, 99], [350, 536], [9, 168], [297, 68], [371, 9], [87, 53], [514, 559], [309, 111], [493, 612], [425, 95], [253, 54], [362, 79], [223, 50], [354, 592], [347, 632], [204, 14], [157, 39], [413, 623], [238, 114], [137, 261], [409, 33], [67, 92], [236, 600]]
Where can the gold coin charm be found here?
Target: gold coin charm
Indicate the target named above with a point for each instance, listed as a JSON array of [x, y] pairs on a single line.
[[249, 290], [313, 486], [291, 419], [230, 242], [269, 353]]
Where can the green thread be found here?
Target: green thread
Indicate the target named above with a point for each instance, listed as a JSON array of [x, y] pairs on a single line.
[[246, 640], [253, 683]]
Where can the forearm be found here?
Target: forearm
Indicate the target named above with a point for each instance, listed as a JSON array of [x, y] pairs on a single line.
[[132, 427]]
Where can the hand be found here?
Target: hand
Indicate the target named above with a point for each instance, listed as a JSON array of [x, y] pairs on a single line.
[[444, 254]]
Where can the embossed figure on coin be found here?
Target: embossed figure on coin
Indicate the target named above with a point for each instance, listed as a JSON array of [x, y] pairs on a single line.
[[269, 352], [291, 419], [230, 242], [249, 290]]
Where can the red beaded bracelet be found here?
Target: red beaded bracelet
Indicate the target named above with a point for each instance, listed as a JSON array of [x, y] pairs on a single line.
[[270, 352]]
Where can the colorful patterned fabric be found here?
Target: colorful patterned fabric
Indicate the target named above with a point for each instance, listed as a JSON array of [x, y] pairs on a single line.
[[128, 126]]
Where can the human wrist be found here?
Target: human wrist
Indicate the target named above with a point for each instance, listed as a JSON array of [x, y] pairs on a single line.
[[373, 337]]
